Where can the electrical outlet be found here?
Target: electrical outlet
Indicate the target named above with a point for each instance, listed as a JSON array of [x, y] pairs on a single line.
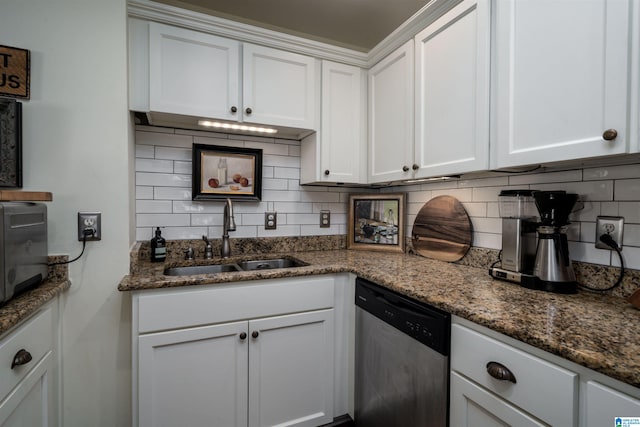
[[611, 225], [270, 220], [325, 219], [89, 221]]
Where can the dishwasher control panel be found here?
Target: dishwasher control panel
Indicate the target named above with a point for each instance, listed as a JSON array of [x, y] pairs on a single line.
[[420, 321]]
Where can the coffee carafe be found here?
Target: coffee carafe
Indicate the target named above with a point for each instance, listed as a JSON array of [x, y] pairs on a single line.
[[552, 266]]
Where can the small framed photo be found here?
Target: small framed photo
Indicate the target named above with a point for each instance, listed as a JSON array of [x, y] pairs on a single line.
[[226, 172], [10, 143], [376, 222]]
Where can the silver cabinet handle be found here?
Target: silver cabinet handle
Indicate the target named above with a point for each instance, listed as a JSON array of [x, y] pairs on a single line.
[[22, 357], [500, 372]]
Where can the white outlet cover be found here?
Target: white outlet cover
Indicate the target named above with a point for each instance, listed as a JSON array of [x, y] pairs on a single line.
[[612, 225]]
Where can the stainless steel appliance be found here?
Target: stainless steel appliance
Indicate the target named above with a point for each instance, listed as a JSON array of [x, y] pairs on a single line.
[[553, 265], [23, 242], [519, 222], [402, 360]]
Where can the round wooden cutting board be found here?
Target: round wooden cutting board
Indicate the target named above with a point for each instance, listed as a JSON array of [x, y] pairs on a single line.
[[442, 229]]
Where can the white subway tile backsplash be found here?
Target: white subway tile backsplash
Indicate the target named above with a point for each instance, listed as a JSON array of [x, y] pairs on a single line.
[[163, 179], [154, 206], [487, 225], [587, 252], [627, 189], [281, 161], [631, 257], [145, 152], [172, 153], [319, 197], [163, 220], [143, 192], [612, 172], [269, 148], [487, 240], [152, 165], [171, 193], [631, 235], [182, 167], [281, 231], [630, 211], [163, 196], [463, 194], [286, 173], [475, 209], [591, 190]]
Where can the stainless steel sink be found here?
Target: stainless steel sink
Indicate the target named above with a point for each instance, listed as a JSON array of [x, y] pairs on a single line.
[[268, 264], [250, 265], [200, 269]]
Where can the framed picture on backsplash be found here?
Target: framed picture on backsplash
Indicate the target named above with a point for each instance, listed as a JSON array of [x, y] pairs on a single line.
[[376, 222], [226, 172], [10, 143]]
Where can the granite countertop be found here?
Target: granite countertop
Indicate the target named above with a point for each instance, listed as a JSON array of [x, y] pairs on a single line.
[[596, 331], [19, 308]]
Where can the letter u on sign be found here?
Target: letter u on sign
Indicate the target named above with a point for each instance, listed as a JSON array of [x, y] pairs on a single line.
[[14, 72]]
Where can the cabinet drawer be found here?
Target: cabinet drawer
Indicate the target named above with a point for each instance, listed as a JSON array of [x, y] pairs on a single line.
[[543, 389], [186, 307], [36, 337]]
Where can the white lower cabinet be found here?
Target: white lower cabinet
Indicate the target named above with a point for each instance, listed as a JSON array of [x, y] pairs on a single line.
[[546, 390], [604, 405], [28, 386], [475, 406], [547, 394], [274, 367]]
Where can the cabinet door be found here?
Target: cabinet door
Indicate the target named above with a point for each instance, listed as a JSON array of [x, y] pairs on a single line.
[[194, 377], [291, 365], [473, 406], [32, 402], [391, 116], [561, 79], [342, 142], [279, 88], [192, 73], [604, 405], [452, 92]]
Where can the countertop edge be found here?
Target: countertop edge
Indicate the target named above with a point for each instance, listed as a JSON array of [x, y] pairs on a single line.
[[23, 306]]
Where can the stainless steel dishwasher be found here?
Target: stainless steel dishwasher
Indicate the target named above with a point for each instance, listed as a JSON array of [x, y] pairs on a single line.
[[402, 360]]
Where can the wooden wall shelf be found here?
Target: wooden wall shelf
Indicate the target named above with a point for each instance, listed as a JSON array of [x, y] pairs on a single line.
[[25, 196]]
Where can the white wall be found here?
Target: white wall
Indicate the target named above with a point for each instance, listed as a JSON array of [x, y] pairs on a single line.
[[76, 146]]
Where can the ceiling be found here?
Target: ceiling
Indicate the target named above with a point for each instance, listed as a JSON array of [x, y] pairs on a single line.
[[354, 24]]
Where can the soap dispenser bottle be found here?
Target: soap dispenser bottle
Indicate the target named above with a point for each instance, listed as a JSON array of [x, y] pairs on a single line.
[[158, 247]]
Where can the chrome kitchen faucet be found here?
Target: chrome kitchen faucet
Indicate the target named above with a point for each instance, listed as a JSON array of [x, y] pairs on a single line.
[[229, 224]]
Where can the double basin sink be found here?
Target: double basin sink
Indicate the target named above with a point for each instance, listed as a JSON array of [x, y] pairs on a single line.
[[251, 265]]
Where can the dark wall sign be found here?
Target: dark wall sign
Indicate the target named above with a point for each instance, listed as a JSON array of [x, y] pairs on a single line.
[[14, 72]]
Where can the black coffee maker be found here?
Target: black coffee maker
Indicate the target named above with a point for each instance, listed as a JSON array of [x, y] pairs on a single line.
[[552, 266]]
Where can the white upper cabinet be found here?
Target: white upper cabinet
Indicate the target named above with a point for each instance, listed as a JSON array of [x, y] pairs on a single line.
[[452, 92], [560, 80], [179, 75], [193, 73], [280, 88], [391, 116], [338, 152]]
